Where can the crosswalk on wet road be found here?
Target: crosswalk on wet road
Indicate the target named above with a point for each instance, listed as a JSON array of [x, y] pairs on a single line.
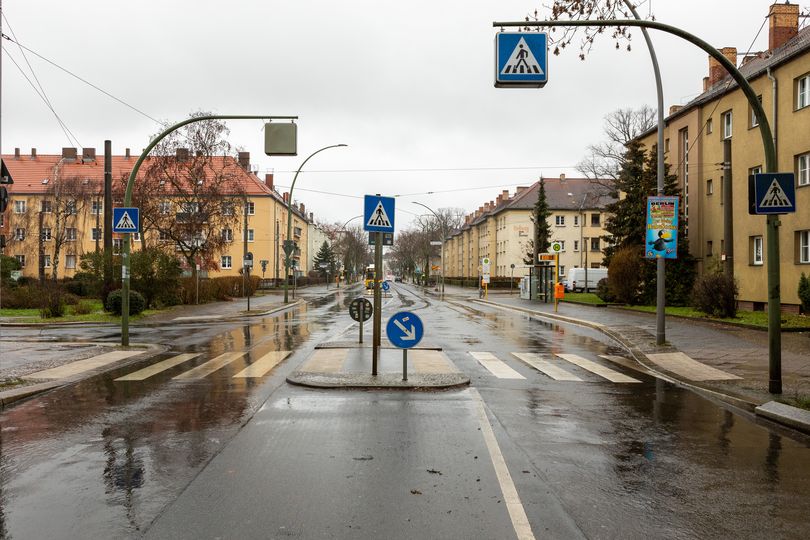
[[554, 366]]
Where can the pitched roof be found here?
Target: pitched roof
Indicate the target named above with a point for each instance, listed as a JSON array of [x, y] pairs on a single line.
[[563, 194]]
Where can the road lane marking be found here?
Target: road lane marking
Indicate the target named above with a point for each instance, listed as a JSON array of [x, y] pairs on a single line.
[[517, 513], [555, 372], [263, 364], [685, 366], [160, 367], [203, 370], [495, 366], [80, 366], [424, 361], [326, 361], [598, 369], [627, 363]]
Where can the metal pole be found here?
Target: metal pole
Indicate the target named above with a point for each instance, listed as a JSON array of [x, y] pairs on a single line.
[[108, 205], [289, 218], [245, 288], [128, 201], [404, 364], [377, 302], [362, 318], [773, 223], [728, 212]]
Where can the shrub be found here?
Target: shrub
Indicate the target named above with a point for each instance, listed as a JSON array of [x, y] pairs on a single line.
[[25, 297], [716, 295], [804, 293], [136, 302], [623, 275], [603, 291], [53, 302], [83, 308]]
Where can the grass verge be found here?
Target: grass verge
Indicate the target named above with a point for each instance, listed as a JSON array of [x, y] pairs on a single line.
[[96, 314], [584, 298], [758, 319]]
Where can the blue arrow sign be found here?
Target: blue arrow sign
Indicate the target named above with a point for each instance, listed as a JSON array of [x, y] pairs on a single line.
[[126, 220], [773, 193], [404, 330], [521, 59], [385, 285], [378, 214]]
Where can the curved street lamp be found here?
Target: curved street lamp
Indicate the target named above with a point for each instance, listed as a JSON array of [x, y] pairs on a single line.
[[342, 229], [444, 236], [289, 244]]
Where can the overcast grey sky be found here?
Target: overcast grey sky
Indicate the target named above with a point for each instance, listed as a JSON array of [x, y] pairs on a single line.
[[407, 85]]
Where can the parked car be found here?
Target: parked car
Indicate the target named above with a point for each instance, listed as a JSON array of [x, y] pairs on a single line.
[[576, 279], [397, 279]]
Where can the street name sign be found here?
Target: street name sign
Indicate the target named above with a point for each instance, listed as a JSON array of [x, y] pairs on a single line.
[[771, 193], [378, 214], [360, 306], [126, 220], [404, 330], [388, 239], [521, 59]]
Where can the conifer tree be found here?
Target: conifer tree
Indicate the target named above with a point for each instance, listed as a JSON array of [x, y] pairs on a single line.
[[325, 256], [542, 230]]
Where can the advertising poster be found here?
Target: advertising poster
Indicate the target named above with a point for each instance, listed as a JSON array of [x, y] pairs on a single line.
[[662, 228]]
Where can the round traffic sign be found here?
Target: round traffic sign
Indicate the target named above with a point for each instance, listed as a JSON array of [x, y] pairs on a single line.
[[404, 330], [385, 285], [358, 306], [556, 247]]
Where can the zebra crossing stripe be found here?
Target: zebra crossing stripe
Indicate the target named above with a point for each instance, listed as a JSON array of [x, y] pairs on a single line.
[[544, 366], [209, 367], [81, 366], [495, 366], [598, 369], [263, 364], [154, 369]]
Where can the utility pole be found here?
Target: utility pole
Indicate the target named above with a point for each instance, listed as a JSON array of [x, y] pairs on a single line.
[[728, 212], [375, 346], [108, 240]]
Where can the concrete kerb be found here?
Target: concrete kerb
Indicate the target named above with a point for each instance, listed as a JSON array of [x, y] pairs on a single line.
[[383, 381], [637, 355]]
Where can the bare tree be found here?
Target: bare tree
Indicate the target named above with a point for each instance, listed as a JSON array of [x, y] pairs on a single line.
[[351, 247], [64, 204]]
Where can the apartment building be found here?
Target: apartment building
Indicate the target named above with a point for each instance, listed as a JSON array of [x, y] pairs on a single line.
[[55, 213], [502, 229], [718, 134]]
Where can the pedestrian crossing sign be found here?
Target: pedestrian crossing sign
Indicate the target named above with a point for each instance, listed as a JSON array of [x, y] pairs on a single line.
[[378, 215], [521, 59], [771, 193], [126, 220]]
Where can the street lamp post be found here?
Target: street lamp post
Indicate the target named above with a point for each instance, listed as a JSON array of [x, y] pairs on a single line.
[[289, 246], [344, 230], [444, 237]]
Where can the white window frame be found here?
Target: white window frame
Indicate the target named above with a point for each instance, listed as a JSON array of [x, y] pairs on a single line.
[[70, 207], [251, 207], [70, 234], [165, 207], [803, 169], [96, 233], [559, 220], [227, 235], [70, 261], [757, 247], [136, 237], [803, 92], [562, 270], [226, 262], [19, 206], [96, 207], [709, 126], [728, 125], [576, 221], [47, 234], [163, 236], [46, 260], [709, 187], [117, 246], [251, 234], [21, 260], [576, 246], [754, 119], [804, 247], [46, 206], [19, 234]]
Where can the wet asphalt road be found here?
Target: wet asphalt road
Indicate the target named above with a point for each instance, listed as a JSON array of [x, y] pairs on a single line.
[[220, 457]]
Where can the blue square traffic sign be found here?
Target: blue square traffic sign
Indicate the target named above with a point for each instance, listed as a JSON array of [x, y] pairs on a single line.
[[771, 193], [378, 214], [521, 59], [126, 220]]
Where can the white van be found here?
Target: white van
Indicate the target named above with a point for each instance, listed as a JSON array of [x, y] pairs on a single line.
[[576, 278]]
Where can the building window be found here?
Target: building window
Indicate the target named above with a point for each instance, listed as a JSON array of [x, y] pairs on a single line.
[[21, 260], [227, 235], [165, 207], [163, 236], [595, 244], [225, 262], [666, 145], [70, 261], [755, 170], [727, 125], [709, 247], [595, 220], [70, 207], [251, 207], [559, 221], [19, 207], [804, 246], [136, 237], [46, 207], [46, 234], [96, 233], [19, 234], [709, 187], [46, 261], [754, 118], [576, 245], [803, 92], [709, 126], [576, 221], [803, 169], [562, 270], [95, 208], [250, 235], [70, 234], [118, 246], [191, 208], [227, 209], [756, 250]]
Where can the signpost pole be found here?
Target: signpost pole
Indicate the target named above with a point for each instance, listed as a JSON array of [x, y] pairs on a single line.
[[404, 364], [375, 347], [362, 319], [557, 279]]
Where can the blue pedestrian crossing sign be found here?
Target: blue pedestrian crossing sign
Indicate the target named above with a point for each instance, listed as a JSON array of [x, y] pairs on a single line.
[[126, 220], [521, 59], [378, 214], [772, 193], [404, 330]]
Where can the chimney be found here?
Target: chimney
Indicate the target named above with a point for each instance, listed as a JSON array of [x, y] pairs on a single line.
[[286, 197], [705, 84], [302, 209], [562, 177], [716, 71], [16, 153], [182, 154], [244, 160], [312, 217], [520, 189], [783, 23], [33, 153], [88, 155], [675, 108], [67, 153], [268, 179], [126, 153], [505, 195]]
